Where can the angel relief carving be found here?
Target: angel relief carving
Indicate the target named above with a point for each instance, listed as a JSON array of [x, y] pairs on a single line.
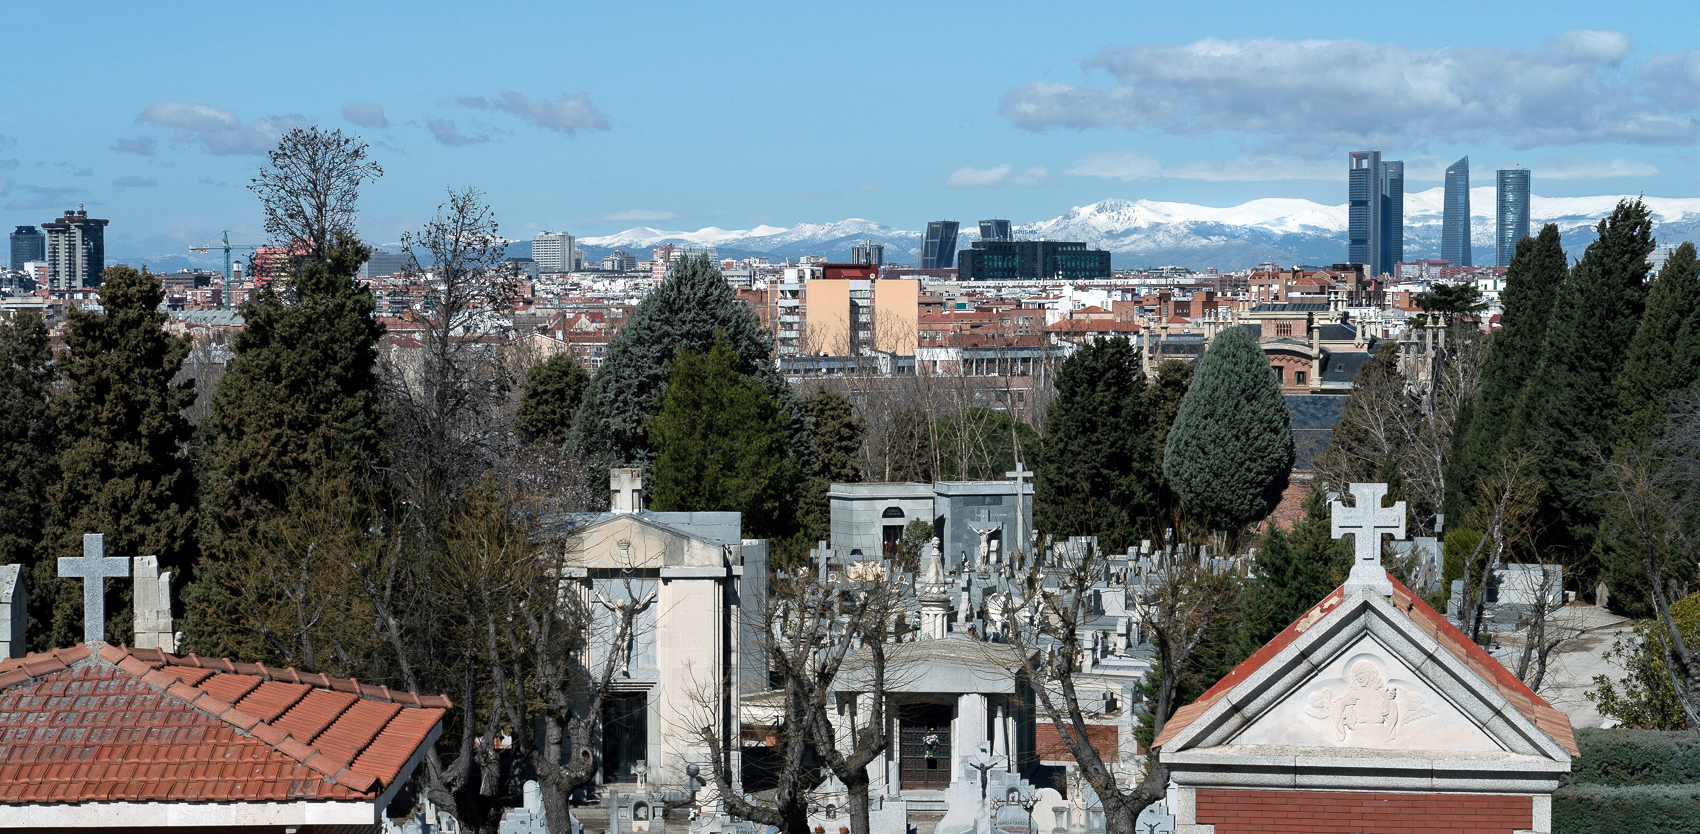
[[1367, 707]]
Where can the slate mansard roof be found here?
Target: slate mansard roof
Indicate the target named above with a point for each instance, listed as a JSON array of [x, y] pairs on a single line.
[[142, 725]]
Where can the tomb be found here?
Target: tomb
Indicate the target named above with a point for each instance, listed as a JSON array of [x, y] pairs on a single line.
[[974, 521], [1371, 712]]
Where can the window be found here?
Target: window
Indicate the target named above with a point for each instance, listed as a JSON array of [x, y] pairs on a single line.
[[1283, 328], [1279, 378], [1298, 377]]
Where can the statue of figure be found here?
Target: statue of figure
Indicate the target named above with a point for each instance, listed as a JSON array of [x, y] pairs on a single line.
[[625, 611]]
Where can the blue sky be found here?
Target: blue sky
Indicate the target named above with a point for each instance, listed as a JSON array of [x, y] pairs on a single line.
[[596, 118]]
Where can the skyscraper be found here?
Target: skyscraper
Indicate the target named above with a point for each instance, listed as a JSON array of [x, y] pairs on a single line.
[[28, 244], [1375, 211], [938, 247], [1511, 204], [868, 252], [1455, 224], [553, 252], [76, 250], [995, 230]]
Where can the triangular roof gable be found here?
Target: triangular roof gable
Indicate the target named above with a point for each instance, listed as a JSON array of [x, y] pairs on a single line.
[[646, 552], [1428, 647]]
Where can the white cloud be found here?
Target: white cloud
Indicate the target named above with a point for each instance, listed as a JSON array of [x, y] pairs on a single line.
[[140, 146], [445, 131], [640, 214], [365, 114], [567, 114], [219, 130], [135, 182], [968, 177], [1032, 176], [1130, 165], [1581, 87], [1581, 168]]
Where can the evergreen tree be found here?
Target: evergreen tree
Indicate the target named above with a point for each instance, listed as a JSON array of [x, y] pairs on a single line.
[[691, 310], [299, 401], [1359, 446], [1571, 402], [26, 462], [1664, 358], [553, 390], [1231, 448], [1095, 474], [1163, 398], [1295, 569], [837, 433], [1531, 285], [122, 437], [723, 443]]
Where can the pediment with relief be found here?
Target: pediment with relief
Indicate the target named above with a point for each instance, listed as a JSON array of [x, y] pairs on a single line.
[[1366, 698]]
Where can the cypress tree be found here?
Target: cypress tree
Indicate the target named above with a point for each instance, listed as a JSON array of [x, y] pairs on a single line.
[[722, 444], [1231, 448], [691, 310], [553, 390], [122, 437], [1664, 358], [1163, 398], [1531, 285], [837, 433], [26, 440], [1095, 474], [1571, 403]]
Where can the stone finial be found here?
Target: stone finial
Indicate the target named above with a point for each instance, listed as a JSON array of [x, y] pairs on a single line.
[[14, 611], [1366, 522], [151, 601], [626, 487]]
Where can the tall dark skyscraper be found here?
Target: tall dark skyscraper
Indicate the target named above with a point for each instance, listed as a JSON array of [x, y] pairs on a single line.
[[995, 230], [1455, 224], [28, 244], [1375, 211], [938, 248], [1511, 205], [868, 252]]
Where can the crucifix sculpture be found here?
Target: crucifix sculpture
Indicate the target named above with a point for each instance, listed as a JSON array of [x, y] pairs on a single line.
[[94, 568], [1366, 522]]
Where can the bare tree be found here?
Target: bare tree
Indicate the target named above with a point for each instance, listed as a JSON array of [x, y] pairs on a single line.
[[1544, 627], [309, 188], [1178, 605], [448, 395], [1505, 514]]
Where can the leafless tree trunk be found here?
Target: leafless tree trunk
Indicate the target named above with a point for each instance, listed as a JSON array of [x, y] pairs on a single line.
[[1505, 517]]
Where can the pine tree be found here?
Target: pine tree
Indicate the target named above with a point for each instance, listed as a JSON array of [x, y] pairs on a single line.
[[553, 390], [26, 438], [1531, 285], [723, 443], [1571, 401], [1231, 448], [122, 438], [1664, 358], [837, 433], [691, 310], [1095, 474]]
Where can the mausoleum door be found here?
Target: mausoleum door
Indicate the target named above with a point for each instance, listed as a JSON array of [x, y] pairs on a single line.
[[893, 540], [625, 736], [923, 765]]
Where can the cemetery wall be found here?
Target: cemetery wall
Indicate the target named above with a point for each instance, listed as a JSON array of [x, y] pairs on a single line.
[[1324, 812]]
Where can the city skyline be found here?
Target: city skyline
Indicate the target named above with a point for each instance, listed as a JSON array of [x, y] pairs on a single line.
[[588, 139]]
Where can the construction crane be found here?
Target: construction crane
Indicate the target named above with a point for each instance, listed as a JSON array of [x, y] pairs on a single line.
[[227, 247]]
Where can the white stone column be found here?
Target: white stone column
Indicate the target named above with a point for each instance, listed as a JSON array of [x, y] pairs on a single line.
[[1000, 741], [968, 732]]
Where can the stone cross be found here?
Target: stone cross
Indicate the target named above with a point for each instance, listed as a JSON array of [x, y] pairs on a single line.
[[626, 486], [1366, 522], [1018, 473], [94, 569]]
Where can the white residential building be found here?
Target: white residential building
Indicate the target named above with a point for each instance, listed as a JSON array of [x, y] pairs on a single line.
[[554, 252]]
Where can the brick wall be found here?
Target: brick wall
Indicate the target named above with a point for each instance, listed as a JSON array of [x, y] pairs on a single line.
[[1319, 812]]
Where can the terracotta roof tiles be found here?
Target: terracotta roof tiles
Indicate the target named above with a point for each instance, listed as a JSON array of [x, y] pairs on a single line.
[[146, 725]]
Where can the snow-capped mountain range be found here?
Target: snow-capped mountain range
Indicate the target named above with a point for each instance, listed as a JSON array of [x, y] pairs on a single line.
[[1155, 233]]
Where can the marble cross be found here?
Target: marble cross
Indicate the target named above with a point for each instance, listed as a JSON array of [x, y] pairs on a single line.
[[1366, 522], [94, 569], [626, 485], [1018, 473]]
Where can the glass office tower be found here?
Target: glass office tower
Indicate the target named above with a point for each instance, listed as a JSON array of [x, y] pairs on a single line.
[[1455, 224], [938, 247], [995, 230], [1375, 212], [1511, 202]]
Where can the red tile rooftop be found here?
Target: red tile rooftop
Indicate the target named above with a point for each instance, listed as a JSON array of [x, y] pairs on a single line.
[[144, 725]]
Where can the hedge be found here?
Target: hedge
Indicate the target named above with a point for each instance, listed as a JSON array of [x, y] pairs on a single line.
[[1640, 809], [1622, 758]]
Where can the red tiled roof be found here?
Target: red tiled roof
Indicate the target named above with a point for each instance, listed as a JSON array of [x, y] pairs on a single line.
[[147, 726], [1544, 715]]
